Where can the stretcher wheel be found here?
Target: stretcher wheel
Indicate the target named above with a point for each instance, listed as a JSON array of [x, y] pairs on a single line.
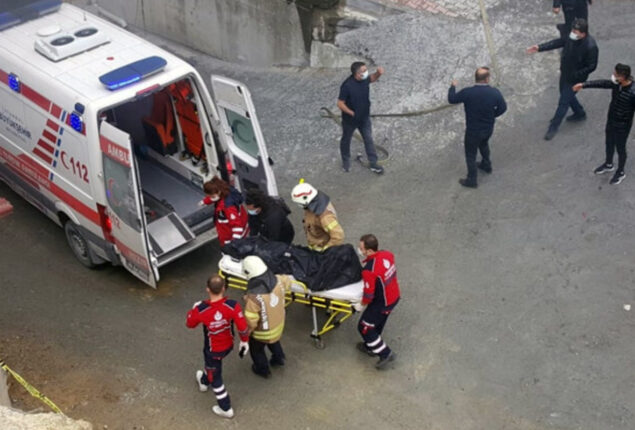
[[318, 343]]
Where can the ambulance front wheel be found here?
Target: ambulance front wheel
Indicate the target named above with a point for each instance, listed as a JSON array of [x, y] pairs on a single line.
[[78, 244]]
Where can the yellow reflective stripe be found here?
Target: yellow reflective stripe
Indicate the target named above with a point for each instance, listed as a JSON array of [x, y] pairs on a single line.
[[268, 334], [316, 248], [331, 225], [251, 315]]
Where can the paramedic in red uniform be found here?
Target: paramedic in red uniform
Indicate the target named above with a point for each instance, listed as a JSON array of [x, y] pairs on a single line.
[[230, 217], [218, 315], [381, 295]]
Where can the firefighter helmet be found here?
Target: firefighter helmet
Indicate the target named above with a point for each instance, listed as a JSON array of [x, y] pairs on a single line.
[[303, 193], [253, 266]]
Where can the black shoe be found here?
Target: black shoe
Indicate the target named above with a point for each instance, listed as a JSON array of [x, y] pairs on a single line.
[[551, 133], [265, 375], [381, 364], [468, 184], [377, 169], [487, 168], [604, 168], [576, 118], [276, 362], [617, 178], [361, 346]]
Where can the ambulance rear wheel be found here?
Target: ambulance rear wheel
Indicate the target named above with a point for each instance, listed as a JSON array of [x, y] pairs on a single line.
[[78, 244]]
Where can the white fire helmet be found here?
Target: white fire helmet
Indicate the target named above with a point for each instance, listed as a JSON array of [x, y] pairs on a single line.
[[303, 193], [253, 266]]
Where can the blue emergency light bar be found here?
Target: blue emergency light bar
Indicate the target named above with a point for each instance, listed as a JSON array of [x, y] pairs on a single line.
[[14, 83], [133, 72], [14, 12]]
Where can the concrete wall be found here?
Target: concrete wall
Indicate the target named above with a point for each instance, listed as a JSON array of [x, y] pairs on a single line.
[[256, 32]]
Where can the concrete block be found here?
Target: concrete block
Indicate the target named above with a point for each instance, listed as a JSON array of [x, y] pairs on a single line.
[[330, 56], [4, 390]]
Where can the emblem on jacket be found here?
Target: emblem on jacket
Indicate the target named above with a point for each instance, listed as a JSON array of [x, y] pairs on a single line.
[[218, 316], [386, 264], [273, 300]]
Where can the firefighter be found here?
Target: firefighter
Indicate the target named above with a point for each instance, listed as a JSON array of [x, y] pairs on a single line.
[[218, 314], [320, 219], [230, 217], [381, 295], [264, 310]]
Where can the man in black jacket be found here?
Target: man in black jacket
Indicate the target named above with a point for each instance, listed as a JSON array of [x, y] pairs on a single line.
[[483, 104], [268, 217], [579, 58], [572, 9], [619, 120]]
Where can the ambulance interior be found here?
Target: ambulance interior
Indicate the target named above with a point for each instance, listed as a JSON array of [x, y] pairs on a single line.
[[168, 139]]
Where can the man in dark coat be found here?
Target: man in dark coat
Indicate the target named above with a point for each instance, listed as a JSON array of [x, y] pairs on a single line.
[[619, 120], [268, 217], [579, 58], [483, 104]]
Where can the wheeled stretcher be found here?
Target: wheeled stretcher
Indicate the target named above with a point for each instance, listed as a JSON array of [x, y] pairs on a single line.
[[337, 303]]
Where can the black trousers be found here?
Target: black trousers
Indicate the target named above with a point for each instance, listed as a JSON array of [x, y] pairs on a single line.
[[616, 140], [259, 357], [476, 142], [371, 326]]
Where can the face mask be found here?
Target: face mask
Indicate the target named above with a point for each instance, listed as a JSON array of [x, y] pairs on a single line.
[[215, 198], [573, 36], [614, 79], [252, 211], [360, 253], [365, 75]]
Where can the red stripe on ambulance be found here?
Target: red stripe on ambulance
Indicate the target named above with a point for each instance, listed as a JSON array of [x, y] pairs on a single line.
[[115, 152], [53, 125], [36, 97], [45, 145]]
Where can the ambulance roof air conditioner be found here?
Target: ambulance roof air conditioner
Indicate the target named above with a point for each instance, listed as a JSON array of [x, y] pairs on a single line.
[[57, 44]]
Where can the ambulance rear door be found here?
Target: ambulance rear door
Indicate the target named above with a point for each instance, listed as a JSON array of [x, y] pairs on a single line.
[[125, 204], [244, 137]]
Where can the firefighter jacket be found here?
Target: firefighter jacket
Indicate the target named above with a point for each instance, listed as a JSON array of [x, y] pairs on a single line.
[[380, 280], [320, 224], [264, 306], [230, 217], [218, 319]]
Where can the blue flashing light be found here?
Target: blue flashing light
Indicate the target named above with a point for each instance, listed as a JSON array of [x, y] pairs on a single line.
[[76, 122], [14, 83], [133, 72]]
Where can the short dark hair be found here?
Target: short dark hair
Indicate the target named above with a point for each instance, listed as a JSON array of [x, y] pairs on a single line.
[[623, 70], [255, 197], [215, 284], [356, 66], [581, 25], [481, 74], [370, 242]]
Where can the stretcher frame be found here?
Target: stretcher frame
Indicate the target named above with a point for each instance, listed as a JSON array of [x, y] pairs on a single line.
[[338, 311]]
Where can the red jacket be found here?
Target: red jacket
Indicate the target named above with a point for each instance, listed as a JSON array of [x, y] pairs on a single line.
[[380, 279], [218, 318], [230, 218]]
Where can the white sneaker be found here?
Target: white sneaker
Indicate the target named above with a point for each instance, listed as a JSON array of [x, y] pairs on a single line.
[[221, 413], [201, 387]]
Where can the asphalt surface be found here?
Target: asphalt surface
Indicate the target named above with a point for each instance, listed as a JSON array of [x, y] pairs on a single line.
[[512, 314]]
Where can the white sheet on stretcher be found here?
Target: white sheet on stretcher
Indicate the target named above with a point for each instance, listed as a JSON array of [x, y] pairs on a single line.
[[350, 293]]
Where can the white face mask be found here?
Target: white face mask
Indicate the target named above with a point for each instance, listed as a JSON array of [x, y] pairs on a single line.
[[365, 75], [252, 211], [215, 198], [614, 80], [573, 36], [360, 253]]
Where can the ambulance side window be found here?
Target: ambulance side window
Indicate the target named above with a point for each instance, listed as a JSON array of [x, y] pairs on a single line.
[[120, 193], [243, 132]]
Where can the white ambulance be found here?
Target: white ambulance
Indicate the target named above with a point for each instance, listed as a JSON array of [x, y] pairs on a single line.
[[113, 137]]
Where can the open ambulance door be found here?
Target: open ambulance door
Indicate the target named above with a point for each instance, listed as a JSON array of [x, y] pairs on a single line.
[[125, 204], [244, 137]]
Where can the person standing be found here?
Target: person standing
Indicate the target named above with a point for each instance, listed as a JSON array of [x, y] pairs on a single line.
[[483, 104], [578, 60], [354, 102], [381, 295], [619, 120], [218, 314], [268, 217], [572, 9], [230, 218], [264, 310], [320, 223]]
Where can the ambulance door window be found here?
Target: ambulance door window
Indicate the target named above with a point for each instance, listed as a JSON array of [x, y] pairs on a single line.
[[120, 192]]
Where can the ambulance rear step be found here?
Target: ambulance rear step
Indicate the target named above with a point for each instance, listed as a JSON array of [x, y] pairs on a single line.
[[197, 242]]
